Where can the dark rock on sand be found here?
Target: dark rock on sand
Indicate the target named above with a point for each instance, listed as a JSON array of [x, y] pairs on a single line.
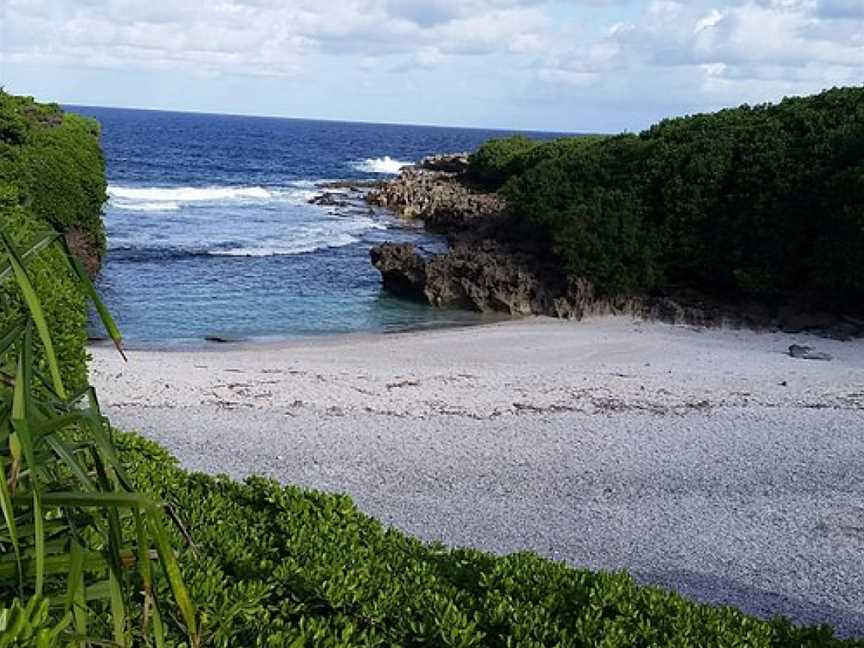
[[807, 353]]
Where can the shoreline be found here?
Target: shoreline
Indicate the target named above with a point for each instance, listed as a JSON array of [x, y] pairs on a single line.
[[707, 461], [278, 342]]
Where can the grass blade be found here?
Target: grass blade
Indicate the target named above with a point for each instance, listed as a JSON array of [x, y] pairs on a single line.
[[36, 312], [75, 579], [118, 609], [33, 250], [90, 291], [39, 541], [172, 571], [9, 517]]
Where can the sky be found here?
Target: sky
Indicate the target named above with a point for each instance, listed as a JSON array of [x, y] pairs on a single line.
[[577, 65]]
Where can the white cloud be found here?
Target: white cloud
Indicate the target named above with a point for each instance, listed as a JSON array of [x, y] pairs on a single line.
[[600, 52]]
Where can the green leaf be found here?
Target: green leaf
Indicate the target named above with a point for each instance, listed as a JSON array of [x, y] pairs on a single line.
[[39, 540], [172, 571], [90, 291], [9, 518], [36, 312]]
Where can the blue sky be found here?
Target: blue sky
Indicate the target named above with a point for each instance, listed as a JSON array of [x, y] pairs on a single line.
[[578, 65]]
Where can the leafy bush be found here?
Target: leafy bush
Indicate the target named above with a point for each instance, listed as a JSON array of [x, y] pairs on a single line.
[[57, 290], [54, 162], [498, 159], [281, 566], [762, 202], [51, 176]]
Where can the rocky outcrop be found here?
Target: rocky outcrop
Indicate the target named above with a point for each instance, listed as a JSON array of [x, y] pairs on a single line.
[[432, 192], [486, 276], [490, 268]]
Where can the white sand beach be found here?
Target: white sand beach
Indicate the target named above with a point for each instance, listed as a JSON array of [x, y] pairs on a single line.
[[707, 461]]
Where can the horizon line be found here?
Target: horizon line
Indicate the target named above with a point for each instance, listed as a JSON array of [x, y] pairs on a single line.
[[330, 120]]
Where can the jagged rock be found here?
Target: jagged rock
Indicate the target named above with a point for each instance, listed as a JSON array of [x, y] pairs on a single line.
[[330, 199], [455, 163], [490, 266], [403, 270], [442, 203]]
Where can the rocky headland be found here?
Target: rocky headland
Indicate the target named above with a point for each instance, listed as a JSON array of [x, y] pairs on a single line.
[[491, 267]]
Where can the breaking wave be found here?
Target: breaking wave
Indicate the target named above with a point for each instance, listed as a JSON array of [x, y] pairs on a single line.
[[384, 164], [154, 195]]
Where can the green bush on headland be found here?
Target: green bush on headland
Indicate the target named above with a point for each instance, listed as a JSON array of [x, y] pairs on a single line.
[[763, 202], [52, 175]]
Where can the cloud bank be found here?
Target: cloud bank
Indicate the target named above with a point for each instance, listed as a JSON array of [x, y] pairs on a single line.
[[592, 55]]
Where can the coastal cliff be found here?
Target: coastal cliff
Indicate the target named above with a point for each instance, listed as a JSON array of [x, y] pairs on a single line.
[[489, 268], [744, 217]]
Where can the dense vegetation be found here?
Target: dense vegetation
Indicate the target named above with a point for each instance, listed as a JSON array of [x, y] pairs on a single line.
[[763, 202], [52, 176], [265, 565]]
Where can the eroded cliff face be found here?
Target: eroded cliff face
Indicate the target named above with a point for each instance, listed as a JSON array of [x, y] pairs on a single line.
[[490, 268], [85, 246]]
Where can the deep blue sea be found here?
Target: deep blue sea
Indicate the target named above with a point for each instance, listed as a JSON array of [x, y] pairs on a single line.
[[210, 232]]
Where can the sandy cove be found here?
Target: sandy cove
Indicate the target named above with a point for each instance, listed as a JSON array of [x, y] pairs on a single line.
[[707, 461]]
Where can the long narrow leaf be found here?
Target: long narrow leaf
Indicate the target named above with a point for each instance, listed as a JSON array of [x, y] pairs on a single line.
[[9, 518], [68, 457], [118, 609], [172, 571], [39, 541], [90, 291], [36, 312], [34, 249], [76, 573]]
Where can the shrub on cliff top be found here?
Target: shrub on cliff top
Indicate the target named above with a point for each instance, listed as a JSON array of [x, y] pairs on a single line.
[[498, 159], [762, 202], [51, 175], [54, 161]]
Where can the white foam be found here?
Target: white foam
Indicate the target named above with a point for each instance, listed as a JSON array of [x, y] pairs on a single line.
[[381, 165], [187, 194], [285, 250], [147, 206]]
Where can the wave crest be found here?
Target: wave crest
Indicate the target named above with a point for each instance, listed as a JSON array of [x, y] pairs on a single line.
[[153, 195], [384, 164]]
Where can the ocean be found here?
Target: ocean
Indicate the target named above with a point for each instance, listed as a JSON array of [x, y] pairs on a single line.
[[211, 235]]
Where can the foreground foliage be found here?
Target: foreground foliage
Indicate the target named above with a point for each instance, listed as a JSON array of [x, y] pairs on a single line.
[[281, 566], [763, 202], [72, 526]]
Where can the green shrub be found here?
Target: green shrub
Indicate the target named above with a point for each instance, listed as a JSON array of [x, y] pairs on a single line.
[[58, 291], [273, 565], [56, 164], [762, 202], [498, 159], [51, 176]]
